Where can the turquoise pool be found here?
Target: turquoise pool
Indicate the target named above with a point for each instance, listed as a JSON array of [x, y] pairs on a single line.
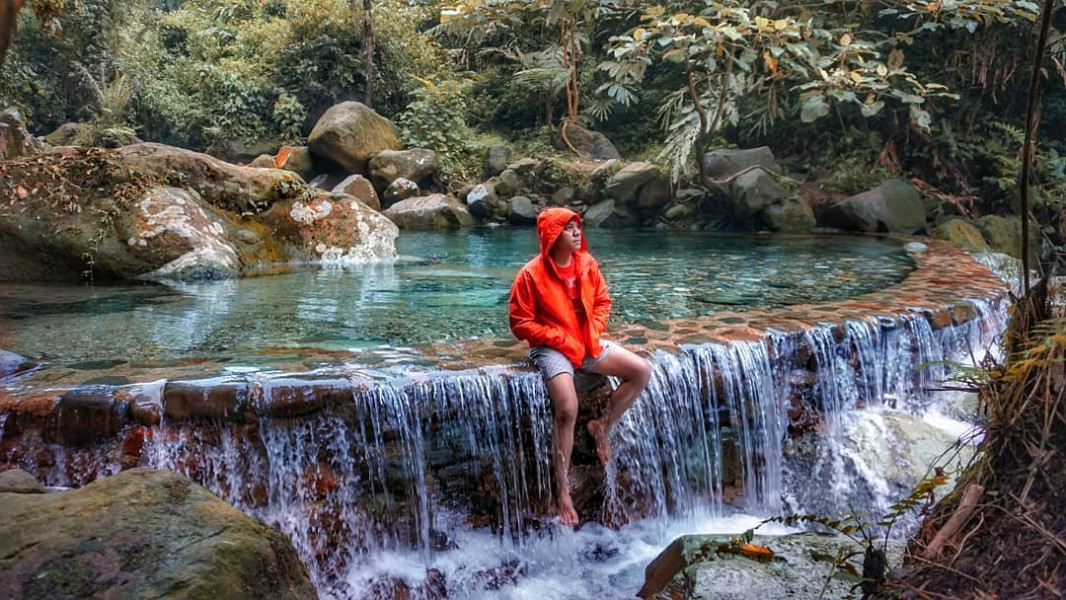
[[444, 286]]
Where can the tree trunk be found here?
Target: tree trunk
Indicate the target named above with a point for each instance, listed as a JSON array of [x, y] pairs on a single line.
[[1031, 118], [701, 138], [368, 50]]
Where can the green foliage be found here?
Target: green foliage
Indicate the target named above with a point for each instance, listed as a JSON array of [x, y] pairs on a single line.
[[289, 116], [212, 69], [728, 50], [434, 120]]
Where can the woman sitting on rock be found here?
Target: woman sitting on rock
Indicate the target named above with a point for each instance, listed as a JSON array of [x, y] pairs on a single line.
[[560, 305]]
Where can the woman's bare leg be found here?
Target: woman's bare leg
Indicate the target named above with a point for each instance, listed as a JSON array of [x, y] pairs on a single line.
[[634, 372], [564, 411]]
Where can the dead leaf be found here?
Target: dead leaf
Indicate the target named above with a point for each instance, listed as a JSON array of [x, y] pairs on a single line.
[[759, 553]]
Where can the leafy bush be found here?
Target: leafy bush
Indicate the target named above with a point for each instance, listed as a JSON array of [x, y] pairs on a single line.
[[435, 120]]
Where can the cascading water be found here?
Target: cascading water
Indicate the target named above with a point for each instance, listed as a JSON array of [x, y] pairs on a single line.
[[407, 471]]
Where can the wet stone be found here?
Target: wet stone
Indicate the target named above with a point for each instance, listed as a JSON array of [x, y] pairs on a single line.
[[185, 400], [654, 325], [82, 417], [294, 397], [696, 340]]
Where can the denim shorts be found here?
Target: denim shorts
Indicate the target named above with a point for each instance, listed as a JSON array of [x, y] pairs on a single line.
[[551, 362]]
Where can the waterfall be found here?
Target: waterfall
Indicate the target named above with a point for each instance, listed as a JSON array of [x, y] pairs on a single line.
[[352, 464]]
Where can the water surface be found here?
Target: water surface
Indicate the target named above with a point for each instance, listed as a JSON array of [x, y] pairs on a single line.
[[444, 286]]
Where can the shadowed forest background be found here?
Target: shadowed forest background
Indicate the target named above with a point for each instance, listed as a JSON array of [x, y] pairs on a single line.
[[847, 93]]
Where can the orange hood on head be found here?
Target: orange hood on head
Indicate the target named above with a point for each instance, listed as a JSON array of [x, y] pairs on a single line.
[[550, 224]]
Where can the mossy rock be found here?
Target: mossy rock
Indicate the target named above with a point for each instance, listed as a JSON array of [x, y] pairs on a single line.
[[349, 134], [962, 233], [142, 534], [1004, 234]]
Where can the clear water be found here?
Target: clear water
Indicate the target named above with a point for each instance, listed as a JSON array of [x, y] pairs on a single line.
[[445, 286]]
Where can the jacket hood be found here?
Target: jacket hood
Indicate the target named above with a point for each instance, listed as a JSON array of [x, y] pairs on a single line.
[[550, 224]]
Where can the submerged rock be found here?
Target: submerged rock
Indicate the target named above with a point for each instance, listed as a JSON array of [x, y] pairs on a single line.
[[141, 534]]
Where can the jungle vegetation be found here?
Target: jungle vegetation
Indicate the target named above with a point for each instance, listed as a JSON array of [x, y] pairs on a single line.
[[847, 91]]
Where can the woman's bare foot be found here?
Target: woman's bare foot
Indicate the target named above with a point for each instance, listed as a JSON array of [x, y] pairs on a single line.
[[598, 431], [567, 514]]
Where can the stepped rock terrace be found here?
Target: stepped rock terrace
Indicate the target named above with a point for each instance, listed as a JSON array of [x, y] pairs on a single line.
[[352, 453]]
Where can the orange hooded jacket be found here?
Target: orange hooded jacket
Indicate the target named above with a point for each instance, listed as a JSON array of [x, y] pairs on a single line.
[[541, 312]]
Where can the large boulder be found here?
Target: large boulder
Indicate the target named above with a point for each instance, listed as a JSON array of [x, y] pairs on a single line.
[[754, 191], [360, 188], [624, 185], [400, 189], [298, 160], [330, 228], [164, 233], [590, 144], [228, 186], [961, 232], [240, 151], [496, 159], [1004, 234], [123, 220], [791, 215], [523, 210], [893, 207], [142, 534], [610, 214], [725, 163], [436, 211], [349, 134], [482, 200], [174, 229], [15, 140], [414, 165]]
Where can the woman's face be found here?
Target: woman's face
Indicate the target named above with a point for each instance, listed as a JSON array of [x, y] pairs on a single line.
[[570, 238]]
